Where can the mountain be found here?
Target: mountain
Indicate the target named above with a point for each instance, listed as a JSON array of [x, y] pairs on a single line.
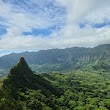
[[22, 76], [62, 59], [21, 89], [21, 81]]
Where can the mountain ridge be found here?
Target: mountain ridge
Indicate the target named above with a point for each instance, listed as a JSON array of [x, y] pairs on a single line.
[[21, 76], [21, 82], [60, 59], [21, 89]]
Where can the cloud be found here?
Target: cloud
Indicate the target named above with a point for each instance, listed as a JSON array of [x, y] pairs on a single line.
[[90, 13], [65, 15]]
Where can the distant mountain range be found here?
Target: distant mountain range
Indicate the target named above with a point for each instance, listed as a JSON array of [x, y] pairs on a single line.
[[62, 59]]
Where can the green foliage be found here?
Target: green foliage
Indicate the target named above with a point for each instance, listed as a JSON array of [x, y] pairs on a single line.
[[29, 91], [76, 90], [83, 90]]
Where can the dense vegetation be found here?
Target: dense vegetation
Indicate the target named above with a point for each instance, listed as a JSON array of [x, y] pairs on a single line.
[[82, 90], [61, 59], [16, 89], [76, 90]]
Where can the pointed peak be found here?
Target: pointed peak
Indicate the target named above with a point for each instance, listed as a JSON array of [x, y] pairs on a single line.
[[22, 63], [22, 59], [20, 74], [20, 68]]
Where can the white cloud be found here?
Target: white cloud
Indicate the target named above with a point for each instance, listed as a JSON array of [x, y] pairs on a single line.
[[19, 20], [91, 11]]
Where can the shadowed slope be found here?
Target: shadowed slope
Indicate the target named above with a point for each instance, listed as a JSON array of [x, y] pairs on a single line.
[[22, 77]]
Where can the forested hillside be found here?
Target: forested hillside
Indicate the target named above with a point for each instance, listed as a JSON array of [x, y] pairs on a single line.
[[97, 58], [21, 89]]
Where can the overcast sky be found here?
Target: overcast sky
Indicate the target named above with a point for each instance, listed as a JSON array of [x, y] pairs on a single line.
[[31, 25]]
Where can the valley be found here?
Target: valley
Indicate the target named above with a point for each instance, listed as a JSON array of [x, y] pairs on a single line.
[[77, 84], [61, 60]]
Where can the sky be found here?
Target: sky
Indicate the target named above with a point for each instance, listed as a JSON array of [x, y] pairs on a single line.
[[32, 25]]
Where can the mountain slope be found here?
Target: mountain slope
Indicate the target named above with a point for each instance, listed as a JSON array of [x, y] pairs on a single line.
[[82, 90], [21, 81], [61, 59]]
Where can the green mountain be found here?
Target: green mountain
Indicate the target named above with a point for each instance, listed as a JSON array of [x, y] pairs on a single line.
[[97, 58], [21, 89], [20, 84]]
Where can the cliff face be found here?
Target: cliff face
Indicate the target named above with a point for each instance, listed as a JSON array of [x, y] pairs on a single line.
[[60, 59]]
